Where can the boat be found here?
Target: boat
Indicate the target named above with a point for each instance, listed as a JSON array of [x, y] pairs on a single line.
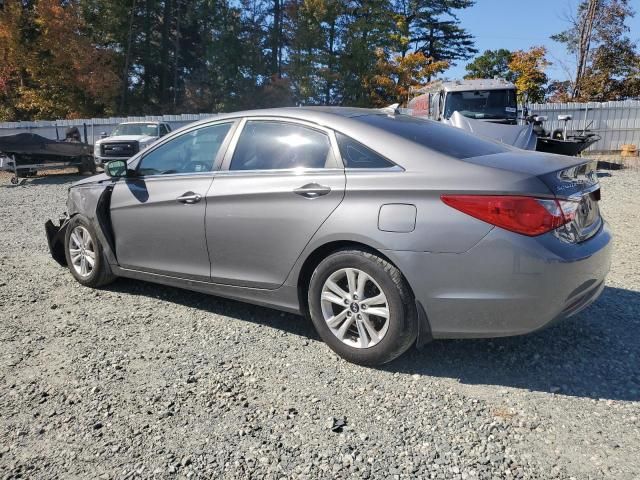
[[24, 154]]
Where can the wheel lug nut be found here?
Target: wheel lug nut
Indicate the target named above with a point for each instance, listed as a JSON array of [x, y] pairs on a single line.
[[359, 317], [346, 301], [348, 314], [355, 297]]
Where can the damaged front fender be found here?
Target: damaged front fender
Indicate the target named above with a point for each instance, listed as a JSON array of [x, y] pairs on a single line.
[[92, 200]]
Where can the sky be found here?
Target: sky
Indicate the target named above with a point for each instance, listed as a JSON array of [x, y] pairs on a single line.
[[521, 24]]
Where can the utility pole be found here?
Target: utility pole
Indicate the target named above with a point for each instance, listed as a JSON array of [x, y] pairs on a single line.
[[585, 28]]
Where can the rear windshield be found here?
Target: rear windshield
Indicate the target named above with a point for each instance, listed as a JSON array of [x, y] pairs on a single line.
[[435, 136]]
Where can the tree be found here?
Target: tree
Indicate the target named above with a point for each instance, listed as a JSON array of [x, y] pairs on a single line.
[[50, 68], [368, 27], [598, 28], [174, 56], [529, 70], [613, 72], [306, 38], [433, 28], [396, 76], [491, 64]]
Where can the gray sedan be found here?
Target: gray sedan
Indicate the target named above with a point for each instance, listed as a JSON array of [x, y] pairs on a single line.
[[386, 230]]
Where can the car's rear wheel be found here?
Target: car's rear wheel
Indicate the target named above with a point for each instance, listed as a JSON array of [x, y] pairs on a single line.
[[84, 254], [362, 307]]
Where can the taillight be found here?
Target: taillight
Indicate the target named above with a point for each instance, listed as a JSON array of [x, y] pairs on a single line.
[[525, 215]]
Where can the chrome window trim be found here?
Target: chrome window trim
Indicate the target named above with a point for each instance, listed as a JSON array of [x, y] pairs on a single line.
[[281, 171], [169, 176], [393, 169]]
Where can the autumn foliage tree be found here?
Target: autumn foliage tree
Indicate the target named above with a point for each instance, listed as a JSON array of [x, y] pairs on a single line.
[[71, 58], [50, 67], [528, 67], [396, 75]]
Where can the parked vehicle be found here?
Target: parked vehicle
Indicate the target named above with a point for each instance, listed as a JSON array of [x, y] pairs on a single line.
[[24, 154], [561, 141], [127, 139], [492, 100], [387, 230], [489, 108]]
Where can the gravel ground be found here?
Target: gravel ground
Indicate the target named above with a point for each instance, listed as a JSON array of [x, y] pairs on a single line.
[[144, 381]]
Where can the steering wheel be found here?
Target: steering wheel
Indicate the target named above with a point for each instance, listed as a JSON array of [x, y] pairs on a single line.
[[197, 166]]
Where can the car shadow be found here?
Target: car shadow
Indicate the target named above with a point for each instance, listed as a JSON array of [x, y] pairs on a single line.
[[288, 322], [138, 189], [595, 354]]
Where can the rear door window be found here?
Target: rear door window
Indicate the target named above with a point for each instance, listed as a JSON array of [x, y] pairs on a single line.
[[270, 145]]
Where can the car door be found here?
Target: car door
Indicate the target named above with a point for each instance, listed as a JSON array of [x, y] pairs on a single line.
[[158, 214], [280, 181]]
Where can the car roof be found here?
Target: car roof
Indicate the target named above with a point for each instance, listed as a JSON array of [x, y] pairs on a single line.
[[371, 127], [320, 115]]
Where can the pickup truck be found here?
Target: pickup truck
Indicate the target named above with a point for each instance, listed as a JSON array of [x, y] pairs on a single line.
[[127, 139]]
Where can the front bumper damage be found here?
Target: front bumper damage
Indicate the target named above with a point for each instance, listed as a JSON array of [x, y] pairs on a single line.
[[55, 238]]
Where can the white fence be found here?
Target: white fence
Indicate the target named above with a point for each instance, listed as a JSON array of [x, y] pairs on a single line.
[[618, 123], [95, 127]]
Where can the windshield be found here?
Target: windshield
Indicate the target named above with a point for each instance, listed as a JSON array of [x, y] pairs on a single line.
[[150, 129], [479, 104]]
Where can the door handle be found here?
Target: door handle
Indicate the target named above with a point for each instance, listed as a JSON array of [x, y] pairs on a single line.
[[312, 190], [189, 198]]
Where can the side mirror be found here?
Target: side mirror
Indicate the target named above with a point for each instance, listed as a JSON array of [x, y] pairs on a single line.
[[103, 135], [116, 168]]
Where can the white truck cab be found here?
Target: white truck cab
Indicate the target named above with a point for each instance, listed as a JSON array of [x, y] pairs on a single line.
[[492, 100], [127, 139]]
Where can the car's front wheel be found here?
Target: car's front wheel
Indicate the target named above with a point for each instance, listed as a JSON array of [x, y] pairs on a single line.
[[362, 307], [84, 254]]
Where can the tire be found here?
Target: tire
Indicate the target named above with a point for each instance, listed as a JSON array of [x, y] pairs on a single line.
[[100, 273], [381, 277], [87, 166]]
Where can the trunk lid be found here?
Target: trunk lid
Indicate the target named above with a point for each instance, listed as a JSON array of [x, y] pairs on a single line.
[[572, 180], [578, 188]]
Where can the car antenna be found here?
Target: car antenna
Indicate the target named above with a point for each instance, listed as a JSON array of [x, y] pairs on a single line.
[[391, 109]]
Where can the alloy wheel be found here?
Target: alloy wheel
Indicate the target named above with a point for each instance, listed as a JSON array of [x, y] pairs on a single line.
[[355, 308], [82, 251]]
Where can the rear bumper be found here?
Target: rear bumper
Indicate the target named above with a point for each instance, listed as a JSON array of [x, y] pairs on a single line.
[[55, 239], [508, 284]]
